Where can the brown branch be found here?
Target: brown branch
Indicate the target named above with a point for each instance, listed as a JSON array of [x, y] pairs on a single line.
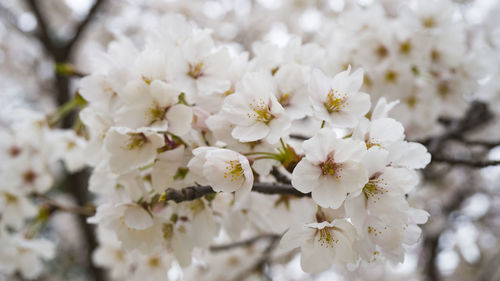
[[299, 137], [54, 205], [244, 243], [195, 192], [280, 177], [80, 29], [477, 115], [466, 162], [262, 262], [43, 33], [484, 143]]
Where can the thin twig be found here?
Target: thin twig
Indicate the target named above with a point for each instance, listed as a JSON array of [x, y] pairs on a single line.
[[299, 137], [65, 208], [261, 263], [484, 143], [244, 243], [466, 162], [195, 192]]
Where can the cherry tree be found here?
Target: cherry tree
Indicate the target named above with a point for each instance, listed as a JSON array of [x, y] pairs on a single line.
[[249, 140]]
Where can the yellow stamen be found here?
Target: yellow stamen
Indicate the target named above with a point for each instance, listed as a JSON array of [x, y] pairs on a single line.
[[335, 101]]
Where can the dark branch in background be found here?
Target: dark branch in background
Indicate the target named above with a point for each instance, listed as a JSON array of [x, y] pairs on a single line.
[[465, 162], [61, 52], [483, 143], [476, 116], [43, 30], [244, 243], [281, 178], [83, 24], [195, 192], [299, 137], [262, 263], [53, 205]]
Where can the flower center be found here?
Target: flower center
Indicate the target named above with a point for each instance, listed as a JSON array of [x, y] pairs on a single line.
[[10, 199], [329, 167], [154, 262], [196, 70], [234, 171], [29, 176], [261, 111], [374, 189], [284, 99], [14, 151], [136, 140], [326, 238], [157, 113], [412, 102], [429, 22], [335, 101]]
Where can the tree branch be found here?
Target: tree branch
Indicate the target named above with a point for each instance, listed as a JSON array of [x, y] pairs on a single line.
[[244, 243], [484, 143], [299, 137], [465, 162], [80, 29], [77, 210], [43, 34], [195, 192], [281, 178], [262, 262]]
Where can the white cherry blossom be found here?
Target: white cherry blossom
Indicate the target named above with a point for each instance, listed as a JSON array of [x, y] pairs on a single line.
[[338, 101], [331, 170]]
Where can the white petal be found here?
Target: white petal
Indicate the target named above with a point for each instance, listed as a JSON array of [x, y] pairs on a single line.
[[256, 131], [179, 119], [305, 176], [328, 193], [137, 218], [294, 237]]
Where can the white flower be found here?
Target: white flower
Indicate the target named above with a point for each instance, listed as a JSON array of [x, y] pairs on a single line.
[[29, 174], [338, 100], [331, 170], [382, 108], [380, 133], [25, 255], [198, 68], [152, 267], [131, 149], [223, 169], [322, 244], [410, 155], [69, 147], [154, 104], [133, 225], [110, 254], [187, 225], [381, 212], [292, 90], [15, 207], [255, 111], [166, 167]]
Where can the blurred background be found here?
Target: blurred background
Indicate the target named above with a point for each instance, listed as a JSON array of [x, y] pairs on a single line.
[[45, 47]]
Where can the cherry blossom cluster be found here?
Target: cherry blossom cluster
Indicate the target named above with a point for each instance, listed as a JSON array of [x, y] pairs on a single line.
[[422, 53], [177, 111], [425, 54], [30, 152]]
